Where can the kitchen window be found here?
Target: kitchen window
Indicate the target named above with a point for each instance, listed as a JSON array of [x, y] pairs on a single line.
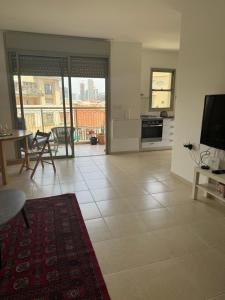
[[162, 87]]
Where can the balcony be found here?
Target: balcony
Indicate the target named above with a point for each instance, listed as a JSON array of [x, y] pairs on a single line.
[[87, 122]]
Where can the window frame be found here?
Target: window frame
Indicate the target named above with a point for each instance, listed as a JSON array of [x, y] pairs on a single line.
[[172, 90]]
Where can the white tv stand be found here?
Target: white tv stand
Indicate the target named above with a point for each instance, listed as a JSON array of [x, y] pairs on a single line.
[[208, 188]]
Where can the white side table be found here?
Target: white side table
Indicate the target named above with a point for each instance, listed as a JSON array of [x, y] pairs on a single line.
[[208, 188]]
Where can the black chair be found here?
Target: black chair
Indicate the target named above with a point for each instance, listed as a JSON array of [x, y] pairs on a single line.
[[37, 150]]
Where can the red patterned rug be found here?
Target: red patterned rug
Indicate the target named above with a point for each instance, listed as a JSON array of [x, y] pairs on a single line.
[[54, 259]]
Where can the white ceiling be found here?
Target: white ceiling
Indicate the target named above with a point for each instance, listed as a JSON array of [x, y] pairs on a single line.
[[154, 23]]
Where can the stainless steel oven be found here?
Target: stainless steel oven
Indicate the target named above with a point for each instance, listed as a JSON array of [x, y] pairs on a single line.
[[151, 129]]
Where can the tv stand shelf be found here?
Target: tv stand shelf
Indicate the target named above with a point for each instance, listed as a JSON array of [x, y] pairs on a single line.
[[208, 188]]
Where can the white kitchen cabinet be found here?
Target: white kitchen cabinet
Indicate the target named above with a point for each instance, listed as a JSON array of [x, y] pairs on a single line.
[[168, 132]]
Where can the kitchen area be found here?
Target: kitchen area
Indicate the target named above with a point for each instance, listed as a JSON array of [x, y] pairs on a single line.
[[143, 118], [157, 126]]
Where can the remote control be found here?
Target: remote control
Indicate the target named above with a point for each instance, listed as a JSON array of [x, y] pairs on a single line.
[[218, 171]]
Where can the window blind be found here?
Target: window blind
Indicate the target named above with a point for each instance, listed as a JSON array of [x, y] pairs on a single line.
[[31, 65], [89, 67]]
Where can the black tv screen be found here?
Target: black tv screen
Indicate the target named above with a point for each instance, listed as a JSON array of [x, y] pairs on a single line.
[[213, 122]]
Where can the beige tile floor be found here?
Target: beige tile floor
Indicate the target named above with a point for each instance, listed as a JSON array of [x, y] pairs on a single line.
[[151, 240], [82, 150]]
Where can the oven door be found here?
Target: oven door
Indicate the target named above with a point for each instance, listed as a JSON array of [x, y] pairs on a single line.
[[151, 132]]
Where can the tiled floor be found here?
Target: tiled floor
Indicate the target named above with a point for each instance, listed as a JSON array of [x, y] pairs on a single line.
[[82, 150], [151, 240]]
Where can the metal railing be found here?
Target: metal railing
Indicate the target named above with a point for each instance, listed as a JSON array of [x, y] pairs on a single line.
[[87, 121]]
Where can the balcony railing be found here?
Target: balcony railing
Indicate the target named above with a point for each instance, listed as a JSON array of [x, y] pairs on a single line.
[[87, 121]]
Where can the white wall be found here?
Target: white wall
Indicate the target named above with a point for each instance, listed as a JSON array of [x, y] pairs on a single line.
[[154, 59], [201, 71], [125, 70], [5, 109]]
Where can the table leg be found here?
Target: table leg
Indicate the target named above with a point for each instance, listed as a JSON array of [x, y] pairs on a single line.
[[195, 188], [25, 217], [3, 164], [26, 151], [205, 194]]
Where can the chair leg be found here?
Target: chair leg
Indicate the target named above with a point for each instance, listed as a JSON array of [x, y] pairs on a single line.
[[35, 167], [57, 149], [25, 217], [42, 163], [51, 157]]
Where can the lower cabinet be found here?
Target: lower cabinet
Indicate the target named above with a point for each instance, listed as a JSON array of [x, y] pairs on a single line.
[[168, 132]]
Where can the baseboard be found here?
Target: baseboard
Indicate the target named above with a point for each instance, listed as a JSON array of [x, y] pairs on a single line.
[[181, 178], [124, 152], [155, 149]]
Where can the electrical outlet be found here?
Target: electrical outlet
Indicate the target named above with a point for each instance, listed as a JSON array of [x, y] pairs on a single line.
[[195, 146], [189, 146]]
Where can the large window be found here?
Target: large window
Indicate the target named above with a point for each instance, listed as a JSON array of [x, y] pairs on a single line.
[[162, 85]]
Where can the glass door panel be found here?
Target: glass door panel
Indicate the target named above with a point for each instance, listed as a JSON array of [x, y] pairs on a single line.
[[89, 117], [43, 107]]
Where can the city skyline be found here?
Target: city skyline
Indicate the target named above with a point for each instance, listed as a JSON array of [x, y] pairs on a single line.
[[88, 89], [83, 89], [99, 83]]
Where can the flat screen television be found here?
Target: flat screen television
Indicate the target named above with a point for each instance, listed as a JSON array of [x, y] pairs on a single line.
[[213, 122]]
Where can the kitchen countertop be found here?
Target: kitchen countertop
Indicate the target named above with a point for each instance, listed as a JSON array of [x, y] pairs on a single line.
[[155, 117]]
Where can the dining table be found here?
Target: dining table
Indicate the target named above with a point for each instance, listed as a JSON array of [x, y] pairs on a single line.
[[11, 136]]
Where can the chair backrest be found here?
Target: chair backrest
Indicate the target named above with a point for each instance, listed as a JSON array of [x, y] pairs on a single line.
[[43, 134], [41, 139], [62, 134]]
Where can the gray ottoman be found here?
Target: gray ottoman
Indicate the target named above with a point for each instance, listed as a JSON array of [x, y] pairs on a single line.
[[11, 203]]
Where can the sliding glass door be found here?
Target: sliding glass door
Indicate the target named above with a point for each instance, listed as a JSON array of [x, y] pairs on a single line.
[[44, 108], [88, 85], [64, 96], [89, 114]]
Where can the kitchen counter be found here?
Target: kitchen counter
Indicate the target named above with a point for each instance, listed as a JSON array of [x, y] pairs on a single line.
[[155, 117]]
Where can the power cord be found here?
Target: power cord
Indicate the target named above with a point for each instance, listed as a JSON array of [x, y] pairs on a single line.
[[203, 155]]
